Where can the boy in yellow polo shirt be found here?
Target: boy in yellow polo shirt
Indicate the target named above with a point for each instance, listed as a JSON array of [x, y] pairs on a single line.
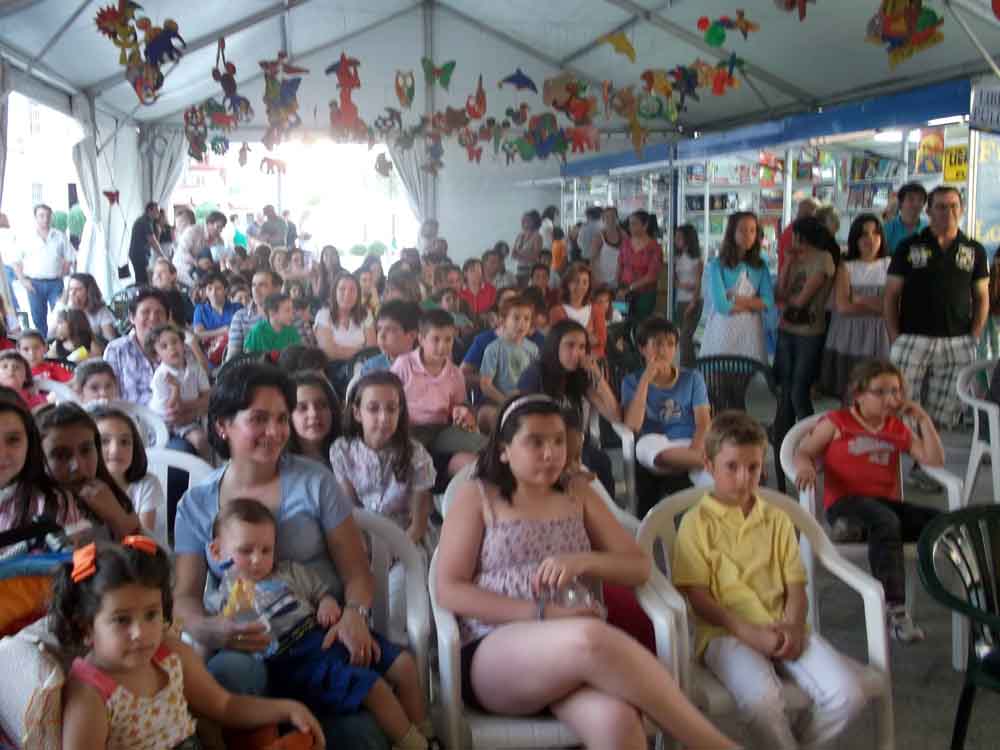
[[737, 561]]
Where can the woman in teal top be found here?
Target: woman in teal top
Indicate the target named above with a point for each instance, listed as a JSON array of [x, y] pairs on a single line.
[[739, 291]]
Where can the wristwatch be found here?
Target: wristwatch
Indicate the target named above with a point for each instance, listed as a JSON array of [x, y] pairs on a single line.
[[361, 609]]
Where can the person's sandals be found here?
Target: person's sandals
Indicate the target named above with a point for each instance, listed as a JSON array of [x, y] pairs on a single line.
[[901, 626]]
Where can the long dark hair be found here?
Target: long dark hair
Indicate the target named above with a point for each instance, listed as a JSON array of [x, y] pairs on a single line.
[[489, 467], [235, 390], [317, 379], [574, 270], [854, 237], [357, 313], [80, 332], [140, 462], [68, 414], [692, 246], [75, 604], [730, 254], [556, 380], [34, 479], [399, 444]]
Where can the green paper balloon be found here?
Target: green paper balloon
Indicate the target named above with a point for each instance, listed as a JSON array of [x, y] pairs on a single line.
[[716, 35]]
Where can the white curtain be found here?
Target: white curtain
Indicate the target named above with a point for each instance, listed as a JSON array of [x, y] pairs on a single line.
[[162, 156], [5, 291], [407, 163], [92, 257]]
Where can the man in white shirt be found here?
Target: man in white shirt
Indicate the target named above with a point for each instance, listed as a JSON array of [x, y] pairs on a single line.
[[45, 256], [8, 255]]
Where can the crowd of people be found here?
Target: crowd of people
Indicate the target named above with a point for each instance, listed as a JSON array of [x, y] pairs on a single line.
[[315, 390]]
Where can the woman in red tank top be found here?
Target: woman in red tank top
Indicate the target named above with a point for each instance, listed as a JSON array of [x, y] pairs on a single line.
[[860, 447]]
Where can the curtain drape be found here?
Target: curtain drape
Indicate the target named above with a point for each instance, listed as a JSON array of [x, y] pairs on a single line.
[[162, 156], [407, 163], [92, 257], [5, 291]]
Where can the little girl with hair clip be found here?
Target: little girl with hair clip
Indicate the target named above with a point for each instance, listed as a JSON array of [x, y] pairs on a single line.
[[125, 456], [860, 446], [72, 449], [131, 684], [15, 373], [386, 471]]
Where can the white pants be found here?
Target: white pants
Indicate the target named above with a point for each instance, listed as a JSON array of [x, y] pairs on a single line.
[[824, 675], [648, 447]]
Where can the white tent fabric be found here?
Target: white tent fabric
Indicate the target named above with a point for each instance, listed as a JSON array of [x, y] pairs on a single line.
[[92, 256], [163, 154], [5, 290], [407, 165]]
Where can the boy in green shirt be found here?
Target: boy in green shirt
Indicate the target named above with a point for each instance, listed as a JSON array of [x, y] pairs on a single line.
[[276, 331]]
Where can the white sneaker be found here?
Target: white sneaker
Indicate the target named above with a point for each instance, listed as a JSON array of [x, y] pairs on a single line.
[[901, 626]]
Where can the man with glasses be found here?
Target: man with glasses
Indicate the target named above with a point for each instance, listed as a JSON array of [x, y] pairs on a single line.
[[936, 303]]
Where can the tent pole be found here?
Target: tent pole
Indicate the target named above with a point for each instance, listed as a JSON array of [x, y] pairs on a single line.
[[973, 38], [430, 180]]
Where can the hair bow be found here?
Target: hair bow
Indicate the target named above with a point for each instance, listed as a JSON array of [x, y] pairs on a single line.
[[442, 75], [84, 562], [141, 543]]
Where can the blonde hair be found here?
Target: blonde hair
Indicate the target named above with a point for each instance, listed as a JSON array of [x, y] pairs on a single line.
[[735, 427], [829, 217]]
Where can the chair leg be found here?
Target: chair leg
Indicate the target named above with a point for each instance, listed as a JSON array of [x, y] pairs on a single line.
[[911, 589], [962, 716], [972, 472]]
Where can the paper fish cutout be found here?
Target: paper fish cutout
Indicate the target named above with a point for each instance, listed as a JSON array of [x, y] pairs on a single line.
[[404, 88], [442, 75], [905, 27], [383, 167], [519, 80], [242, 157], [715, 31], [790, 5], [621, 44], [112, 196], [475, 104]]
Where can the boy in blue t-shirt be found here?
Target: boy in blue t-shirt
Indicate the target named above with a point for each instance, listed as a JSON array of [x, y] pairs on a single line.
[[667, 408]]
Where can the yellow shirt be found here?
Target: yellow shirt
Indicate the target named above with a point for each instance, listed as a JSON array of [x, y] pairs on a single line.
[[745, 563]]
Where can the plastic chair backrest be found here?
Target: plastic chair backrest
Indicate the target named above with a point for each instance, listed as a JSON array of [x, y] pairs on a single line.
[[61, 391], [728, 378], [119, 303], [969, 539], [151, 425]]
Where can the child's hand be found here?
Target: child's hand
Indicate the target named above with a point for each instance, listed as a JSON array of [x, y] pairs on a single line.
[[462, 417], [806, 476], [554, 573], [912, 409], [172, 381], [793, 640], [328, 613], [765, 639], [302, 719], [657, 368]]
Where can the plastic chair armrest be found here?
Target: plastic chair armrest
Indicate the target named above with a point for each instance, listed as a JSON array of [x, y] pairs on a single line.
[[664, 621], [627, 438], [952, 484], [449, 669], [675, 601]]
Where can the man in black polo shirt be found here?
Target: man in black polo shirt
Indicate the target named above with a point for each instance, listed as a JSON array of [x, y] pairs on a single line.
[[936, 303], [143, 237]]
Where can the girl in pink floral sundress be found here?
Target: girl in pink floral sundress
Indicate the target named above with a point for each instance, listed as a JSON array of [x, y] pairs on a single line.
[[514, 539]]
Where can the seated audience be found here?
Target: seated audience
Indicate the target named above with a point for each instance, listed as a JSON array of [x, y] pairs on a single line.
[[179, 383], [72, 337], [95, 380], [478, 293], [316, 417], [83, 294], [213, 317], [276, 330], [179, 304], [31, 346], [540, 278], [577, 305], [343, 328], [396, 333], [506, 359], [265, 283]]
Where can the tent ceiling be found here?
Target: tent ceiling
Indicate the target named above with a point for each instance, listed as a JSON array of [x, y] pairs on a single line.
[[797, 65]]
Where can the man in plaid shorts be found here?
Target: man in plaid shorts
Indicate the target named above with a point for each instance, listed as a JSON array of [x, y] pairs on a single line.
[[936, 303]]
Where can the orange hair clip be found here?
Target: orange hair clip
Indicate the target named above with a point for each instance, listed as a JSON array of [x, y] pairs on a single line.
[[84, 562], [141, 543]]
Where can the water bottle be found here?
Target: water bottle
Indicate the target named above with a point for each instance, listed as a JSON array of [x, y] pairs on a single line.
[[576, 595]]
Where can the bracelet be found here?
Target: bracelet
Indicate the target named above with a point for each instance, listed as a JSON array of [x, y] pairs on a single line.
[[541, 608]]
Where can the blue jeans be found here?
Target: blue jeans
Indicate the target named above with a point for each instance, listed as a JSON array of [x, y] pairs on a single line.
[[796, 367], [242, 673], [45, 295]]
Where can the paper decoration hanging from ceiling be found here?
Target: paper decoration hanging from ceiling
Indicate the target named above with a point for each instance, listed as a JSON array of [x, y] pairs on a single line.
[[242, 156], [793, 5], [196, 132], [519, 80], [142, 60], [715, 31], [224, 73], [567, 94], [404, 88], [272, 166], [441, 75], [281, 98], [996, 8], [621, 44], [475, 104], [346, 124], [470, 142], [383, 167], [905, 27], [112, 196]]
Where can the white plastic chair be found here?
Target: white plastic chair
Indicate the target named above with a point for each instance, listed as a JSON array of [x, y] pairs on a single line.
[[161, 460], [981, 408], [387, 543], [658, 528], [61, 391], [627, 438], [859, 552], [151, 425]]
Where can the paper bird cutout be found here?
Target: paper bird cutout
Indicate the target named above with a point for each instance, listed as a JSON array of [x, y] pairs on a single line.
[[404, 88], [475, 104], [621, 44], [112, 196], [442, 75], [519, 81]]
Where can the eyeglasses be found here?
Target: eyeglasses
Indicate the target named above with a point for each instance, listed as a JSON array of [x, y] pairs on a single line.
[[885, 392]]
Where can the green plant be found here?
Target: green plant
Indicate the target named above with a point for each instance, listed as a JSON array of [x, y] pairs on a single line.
[[77, 220], [377, 249], [59, 220], [358, 250], [201, 213]]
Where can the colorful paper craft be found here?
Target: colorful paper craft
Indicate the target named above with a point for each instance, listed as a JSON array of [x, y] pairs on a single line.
[[475, 104], [383, 167], [224, 73], [905, 27], [715, 31], [404, 88], [433, 73], [621, 44], [519, 80], [791, 5]]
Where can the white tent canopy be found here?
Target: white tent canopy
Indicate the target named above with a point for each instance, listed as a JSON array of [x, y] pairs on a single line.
[[54, 53]]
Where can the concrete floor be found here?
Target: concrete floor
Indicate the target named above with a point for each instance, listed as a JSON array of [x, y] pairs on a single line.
[[925, 687]]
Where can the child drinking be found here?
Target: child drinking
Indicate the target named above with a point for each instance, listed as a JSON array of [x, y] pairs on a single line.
[[72, 448], [298, 609], [736, 559], [73, 336], [860, 446], [506, 359], [15, 373], [276, 330], [176, 381], [125, 457], [132, 685], [31, 346], [386, 471], [95, 380]]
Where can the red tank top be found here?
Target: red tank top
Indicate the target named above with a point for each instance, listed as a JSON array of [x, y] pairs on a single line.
[[861, 462]]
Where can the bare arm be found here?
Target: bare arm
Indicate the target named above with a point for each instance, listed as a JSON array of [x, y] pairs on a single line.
[[347, 550], [489, 390], [333, 350], [420, 512], [603, 399], [101, 500], [981, 309], [890, 305], [84, 719], [762, 638], [369, 336], [925, 445], [811, 448]]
